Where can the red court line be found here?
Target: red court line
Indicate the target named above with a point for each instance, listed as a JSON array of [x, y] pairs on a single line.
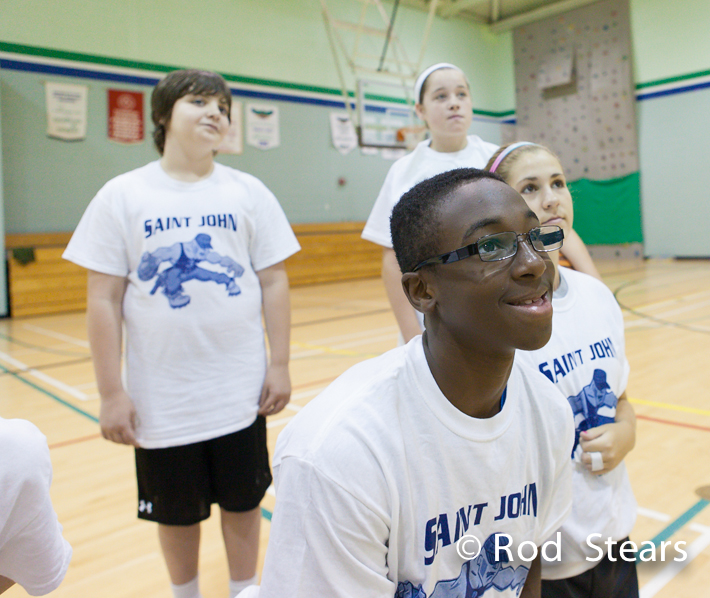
[[74, 441], [672, 423]]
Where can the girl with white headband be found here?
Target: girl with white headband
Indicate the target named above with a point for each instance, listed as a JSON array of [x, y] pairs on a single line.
[[443, 102], [586, 361]]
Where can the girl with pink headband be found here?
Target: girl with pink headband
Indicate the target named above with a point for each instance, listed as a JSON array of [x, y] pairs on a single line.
[[443, 102], [574, 254], [585, 359]]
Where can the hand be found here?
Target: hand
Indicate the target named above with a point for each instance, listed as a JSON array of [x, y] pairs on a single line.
[[237, 269], [117, 419], [232, 267], [276, 392], [613, 441]]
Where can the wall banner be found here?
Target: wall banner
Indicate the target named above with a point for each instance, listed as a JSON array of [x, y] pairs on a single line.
[[66, 110], [263, 126], [125, 116], [342, 132]]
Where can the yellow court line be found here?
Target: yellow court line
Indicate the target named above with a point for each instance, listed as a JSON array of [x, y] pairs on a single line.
[[671, 407]]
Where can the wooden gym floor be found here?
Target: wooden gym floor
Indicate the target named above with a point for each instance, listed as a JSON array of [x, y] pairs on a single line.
[[46, 376]]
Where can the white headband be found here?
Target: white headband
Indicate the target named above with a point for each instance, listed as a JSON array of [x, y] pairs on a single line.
[[423, 77], [511, 148]]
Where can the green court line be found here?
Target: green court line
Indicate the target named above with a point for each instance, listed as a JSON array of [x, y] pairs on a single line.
[[49, 394], [680, 521], [266, 514]]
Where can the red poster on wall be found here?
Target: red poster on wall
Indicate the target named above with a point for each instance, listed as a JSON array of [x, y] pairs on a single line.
[[125, 116]]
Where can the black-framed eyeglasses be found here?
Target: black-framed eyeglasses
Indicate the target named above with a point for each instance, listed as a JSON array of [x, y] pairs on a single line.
[[501, 246]]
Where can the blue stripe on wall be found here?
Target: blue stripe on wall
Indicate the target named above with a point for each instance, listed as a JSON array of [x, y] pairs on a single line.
[[33, 67], [671, 92]]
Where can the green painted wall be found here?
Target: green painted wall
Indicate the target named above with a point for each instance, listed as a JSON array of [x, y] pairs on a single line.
[[48, 183], [275, 39], [285, 40], [669, 38], [674, 142]]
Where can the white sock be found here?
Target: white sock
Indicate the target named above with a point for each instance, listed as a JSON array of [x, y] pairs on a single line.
[[237, 586], [191, 589]]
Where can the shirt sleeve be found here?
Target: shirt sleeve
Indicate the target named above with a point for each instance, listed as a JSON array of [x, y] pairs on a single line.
[[99, 243], [33, 552], [273, 239], [323, 540], [560, 504], [377, 228]]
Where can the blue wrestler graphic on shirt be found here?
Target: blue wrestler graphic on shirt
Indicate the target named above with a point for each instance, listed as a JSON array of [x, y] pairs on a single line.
[[594, 406], [184, 258], [477, 576]]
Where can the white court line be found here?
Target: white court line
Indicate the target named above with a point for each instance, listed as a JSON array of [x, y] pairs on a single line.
[[282, 421], [653, 514], [701, 529], [674, 567], [57, 335], [77, 394]]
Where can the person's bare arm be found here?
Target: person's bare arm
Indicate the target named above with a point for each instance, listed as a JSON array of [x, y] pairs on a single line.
[[532, 587], [276, 391], [403, 311], [577, 253], [104, 319], [5, 583], [613, 441]]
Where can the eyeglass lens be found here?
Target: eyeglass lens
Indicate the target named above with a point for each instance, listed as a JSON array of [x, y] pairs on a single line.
[[504, 245]]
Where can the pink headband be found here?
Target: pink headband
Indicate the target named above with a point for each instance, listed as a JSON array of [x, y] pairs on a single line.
[[506, 151]]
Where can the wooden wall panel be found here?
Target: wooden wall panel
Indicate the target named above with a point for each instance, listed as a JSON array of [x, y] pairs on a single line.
[[330, 252]]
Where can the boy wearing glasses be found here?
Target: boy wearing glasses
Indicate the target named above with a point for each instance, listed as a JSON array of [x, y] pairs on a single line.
[[439, 468]]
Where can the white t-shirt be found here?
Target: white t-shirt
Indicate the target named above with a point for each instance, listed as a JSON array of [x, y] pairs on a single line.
[[380, 476], [33, 552], [195, 352], [423, 163], [586, 359]]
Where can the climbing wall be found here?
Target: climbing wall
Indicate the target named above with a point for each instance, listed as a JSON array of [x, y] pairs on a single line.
[[574, 90]]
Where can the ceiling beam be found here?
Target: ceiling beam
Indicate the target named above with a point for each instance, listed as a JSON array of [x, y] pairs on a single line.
[[453, 8], [538, 14], [495, 10]]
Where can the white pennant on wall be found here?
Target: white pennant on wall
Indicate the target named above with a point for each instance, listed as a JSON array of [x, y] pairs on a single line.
[[262, 124], [66, 110]]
